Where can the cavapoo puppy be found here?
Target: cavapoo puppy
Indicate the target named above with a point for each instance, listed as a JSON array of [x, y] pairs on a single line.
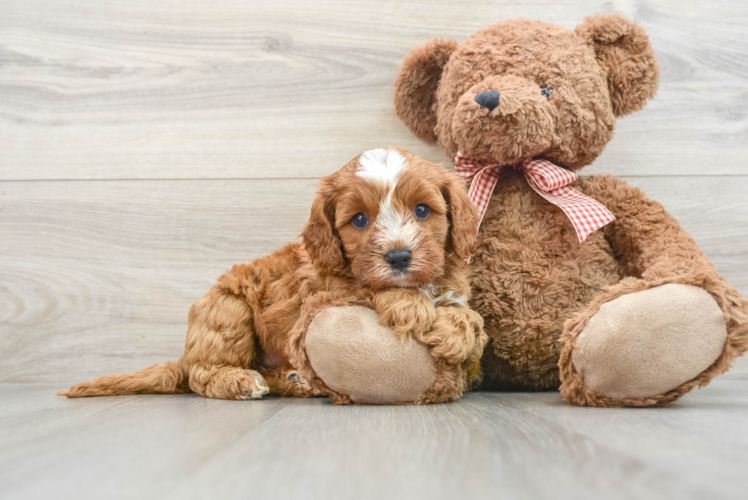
[[389, 231]]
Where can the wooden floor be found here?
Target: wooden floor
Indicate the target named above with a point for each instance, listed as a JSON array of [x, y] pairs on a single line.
[[486, 446], [146, 146]]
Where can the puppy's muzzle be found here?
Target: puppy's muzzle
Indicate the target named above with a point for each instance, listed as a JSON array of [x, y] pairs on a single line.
[[399, 259]]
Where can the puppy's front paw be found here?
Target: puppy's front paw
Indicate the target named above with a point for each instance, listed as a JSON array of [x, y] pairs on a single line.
[[407, 312], [457, 335]]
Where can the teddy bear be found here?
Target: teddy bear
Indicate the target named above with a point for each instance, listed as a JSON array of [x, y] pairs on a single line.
[[585, 285]]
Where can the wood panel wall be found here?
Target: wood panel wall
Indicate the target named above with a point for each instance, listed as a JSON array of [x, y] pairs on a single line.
[[145, 147]]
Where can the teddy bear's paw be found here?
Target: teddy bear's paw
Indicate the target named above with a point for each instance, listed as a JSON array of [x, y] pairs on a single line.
[[650, 342], [365, 362]]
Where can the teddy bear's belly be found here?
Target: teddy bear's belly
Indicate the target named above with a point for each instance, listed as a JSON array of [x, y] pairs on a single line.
[[529, 276]]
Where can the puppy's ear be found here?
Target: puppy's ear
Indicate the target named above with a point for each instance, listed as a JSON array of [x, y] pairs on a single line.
[[463, 217], [415, 86], [623, 51], [320, 237]]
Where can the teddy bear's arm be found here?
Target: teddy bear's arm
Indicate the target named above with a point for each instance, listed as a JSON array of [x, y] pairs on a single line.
[[649, 242], [672, 323]]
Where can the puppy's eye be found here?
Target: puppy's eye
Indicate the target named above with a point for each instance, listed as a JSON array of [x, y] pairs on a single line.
[[422, 211], [546, 91], [360, 220]]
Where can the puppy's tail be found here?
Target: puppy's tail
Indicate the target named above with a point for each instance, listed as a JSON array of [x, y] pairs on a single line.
[[163, 378]]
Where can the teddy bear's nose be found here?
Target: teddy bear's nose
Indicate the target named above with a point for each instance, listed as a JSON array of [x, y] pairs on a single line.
[[488, 99]]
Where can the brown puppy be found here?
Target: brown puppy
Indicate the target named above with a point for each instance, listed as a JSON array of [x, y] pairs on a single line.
[[389, 231]]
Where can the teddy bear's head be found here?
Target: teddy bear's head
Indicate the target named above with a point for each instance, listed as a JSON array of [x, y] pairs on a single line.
[[521, 89]]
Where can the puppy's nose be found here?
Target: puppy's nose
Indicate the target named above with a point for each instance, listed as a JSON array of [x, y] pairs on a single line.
[[398, 259], [488, 99]]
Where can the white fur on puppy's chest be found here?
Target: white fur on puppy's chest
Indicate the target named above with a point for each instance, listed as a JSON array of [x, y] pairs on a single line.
[[448, 298]]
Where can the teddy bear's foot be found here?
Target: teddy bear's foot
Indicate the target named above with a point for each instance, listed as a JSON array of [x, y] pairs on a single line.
[[365, 362], [643, 348]]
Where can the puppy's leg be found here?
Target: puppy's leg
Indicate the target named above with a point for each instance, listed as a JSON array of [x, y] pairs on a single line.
[[457, 340], [407, 311], [456, 335], [220, 347]]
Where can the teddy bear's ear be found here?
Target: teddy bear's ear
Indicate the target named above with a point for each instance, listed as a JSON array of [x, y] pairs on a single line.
[[625, 53], [415, 86]]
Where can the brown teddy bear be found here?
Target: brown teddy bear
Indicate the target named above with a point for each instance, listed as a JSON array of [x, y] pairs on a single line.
[[634, 315]]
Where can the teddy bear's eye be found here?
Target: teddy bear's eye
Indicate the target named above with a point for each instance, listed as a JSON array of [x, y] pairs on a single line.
[[546, 91]]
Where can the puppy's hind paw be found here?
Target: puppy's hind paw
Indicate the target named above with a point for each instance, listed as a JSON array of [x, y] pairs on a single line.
[[300, 388], [236, 383], [261, 389]]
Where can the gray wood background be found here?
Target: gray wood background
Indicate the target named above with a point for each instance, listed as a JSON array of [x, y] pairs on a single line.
[[146, 146]]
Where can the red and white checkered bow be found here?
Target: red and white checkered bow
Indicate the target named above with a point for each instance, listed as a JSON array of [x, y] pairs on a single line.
[[548, 180]]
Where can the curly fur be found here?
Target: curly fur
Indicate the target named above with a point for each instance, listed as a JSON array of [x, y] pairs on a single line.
[[534, 284], [246, 336]]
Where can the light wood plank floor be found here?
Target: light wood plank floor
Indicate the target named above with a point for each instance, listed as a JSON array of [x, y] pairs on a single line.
[[486, 446], [146, 146]]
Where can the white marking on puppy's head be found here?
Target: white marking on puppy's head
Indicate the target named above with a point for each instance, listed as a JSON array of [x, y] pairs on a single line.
[[382, 166], [396, 227]]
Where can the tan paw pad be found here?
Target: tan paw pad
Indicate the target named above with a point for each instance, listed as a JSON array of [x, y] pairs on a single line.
[[647, 343]]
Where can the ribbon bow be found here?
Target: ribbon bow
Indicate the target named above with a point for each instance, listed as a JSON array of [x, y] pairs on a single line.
[[548, 180]]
